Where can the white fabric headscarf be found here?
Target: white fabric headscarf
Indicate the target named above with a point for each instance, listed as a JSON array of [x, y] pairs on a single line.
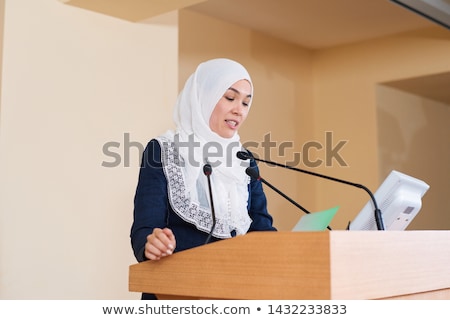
[[194, 106]]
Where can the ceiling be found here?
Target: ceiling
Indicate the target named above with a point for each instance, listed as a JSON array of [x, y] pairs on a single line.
[[317, 24], [320, 24]]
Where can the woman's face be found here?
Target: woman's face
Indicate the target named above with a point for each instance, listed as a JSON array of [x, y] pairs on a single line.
[[231, 110]]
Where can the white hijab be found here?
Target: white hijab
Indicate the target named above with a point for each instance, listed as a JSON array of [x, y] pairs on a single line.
[[189, 195]]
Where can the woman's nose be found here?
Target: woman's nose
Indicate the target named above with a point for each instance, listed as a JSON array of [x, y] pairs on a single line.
[[237, 108]]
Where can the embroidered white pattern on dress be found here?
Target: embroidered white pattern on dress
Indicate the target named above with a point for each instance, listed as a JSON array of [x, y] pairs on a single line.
[[181, 204]]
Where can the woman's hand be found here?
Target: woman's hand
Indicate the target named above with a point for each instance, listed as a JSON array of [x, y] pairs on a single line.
[[160, 243]]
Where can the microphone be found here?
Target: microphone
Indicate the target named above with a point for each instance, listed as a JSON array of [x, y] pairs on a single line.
[[254, 174], [207, 170], [377, 212]]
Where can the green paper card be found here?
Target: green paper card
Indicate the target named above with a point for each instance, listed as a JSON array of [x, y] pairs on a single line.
[[316, 221]]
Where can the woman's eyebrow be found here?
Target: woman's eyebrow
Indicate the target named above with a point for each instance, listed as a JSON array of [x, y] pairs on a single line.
[[237, 91]]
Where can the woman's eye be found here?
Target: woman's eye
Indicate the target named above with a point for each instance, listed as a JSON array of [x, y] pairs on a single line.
[[229, 98]]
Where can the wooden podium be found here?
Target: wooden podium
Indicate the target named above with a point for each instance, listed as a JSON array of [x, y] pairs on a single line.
[[345, 265]]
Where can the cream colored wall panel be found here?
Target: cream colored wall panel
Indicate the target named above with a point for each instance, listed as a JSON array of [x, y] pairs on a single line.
[[77, 87]]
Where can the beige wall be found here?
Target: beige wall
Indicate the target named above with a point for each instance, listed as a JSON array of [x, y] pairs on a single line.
[[74, 80], [300, 95], [414, 136], [345, 101], [2, 12]]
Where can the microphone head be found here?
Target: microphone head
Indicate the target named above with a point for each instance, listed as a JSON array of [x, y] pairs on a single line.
[[252, 173], [207, 169], [243, 155]]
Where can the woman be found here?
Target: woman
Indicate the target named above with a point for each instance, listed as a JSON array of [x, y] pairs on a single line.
[[173, 207]]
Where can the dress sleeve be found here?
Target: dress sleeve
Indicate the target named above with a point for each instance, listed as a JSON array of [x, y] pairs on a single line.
[[257, 203], [150, 201]]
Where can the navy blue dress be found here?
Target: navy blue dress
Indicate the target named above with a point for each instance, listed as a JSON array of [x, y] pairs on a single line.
[[152, 208]]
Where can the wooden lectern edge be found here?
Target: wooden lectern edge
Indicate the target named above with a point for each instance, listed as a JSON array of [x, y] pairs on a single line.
[[259, 265], [303, 265], [389, 264]]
